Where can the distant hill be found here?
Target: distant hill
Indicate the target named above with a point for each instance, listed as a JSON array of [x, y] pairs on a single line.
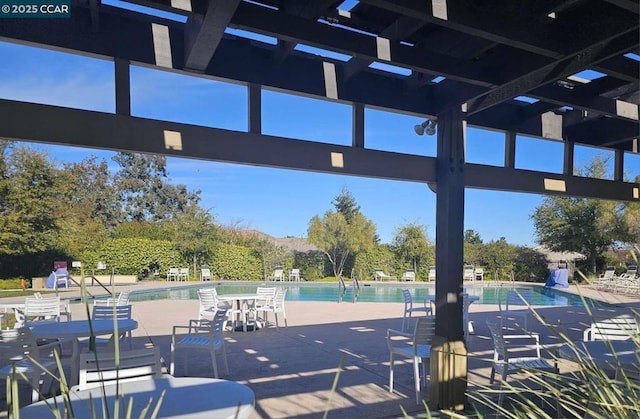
[[297, 244]]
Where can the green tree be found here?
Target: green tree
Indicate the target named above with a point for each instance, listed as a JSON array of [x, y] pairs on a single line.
[[346, 205], [90, 187], [194, 234], [30, 188], [413, 247], [338, 239], [588, 226], [142, 183]]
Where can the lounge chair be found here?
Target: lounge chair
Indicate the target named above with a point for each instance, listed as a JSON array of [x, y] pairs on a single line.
[[379, 275], [278, 274], [294, 274], [205, 273], [432, 273], [468, 274], [409, 275], [172, 274], [618, 328]]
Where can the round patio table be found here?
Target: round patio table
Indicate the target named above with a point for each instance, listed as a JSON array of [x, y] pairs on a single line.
[[241, 309], [184, 397]]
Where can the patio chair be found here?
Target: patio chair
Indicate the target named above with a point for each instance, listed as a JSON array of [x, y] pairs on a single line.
[[183, 274], [618, 328], [468, 273], [278, 274], [294, 274], [514, 308], [41, 310], [18, 348], [419, 349], [605, 280], [379, 275], [172, 274], [209, 303], [409, 275], [277, 306], [432, 273], [478, 274], [509, 355], [205, 273], [409, 309], [264, 301], [104, 368], [121, 300], [110, 312], [203, 335]]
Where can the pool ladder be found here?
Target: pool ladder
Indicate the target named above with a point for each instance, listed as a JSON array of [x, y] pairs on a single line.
[[342, 287]]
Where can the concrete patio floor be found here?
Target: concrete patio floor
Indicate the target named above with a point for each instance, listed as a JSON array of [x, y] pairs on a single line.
[[292, 369]]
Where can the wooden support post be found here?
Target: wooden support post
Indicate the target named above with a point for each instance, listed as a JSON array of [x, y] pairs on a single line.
[[448, 353]]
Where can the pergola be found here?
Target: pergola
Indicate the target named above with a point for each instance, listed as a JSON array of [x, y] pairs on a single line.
[[465, 62]]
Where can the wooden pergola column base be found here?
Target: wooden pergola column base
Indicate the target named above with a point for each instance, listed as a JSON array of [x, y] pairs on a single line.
[[448, 384]]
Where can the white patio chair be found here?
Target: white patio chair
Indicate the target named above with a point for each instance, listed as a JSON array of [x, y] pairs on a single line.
[[409, 309], [41, 310], [209, 304], [478, 274], [419, 349], [16, 347], [514, 308], [172, 274], [183, 274], [278, 274], [277, 306], [110, 312], [266, 296], [409, 275], [618, 328], [202, 335], [205, 273], [294, 274], [468, 273], [121, 300], [508, 355], [104, 368], [605, 280]]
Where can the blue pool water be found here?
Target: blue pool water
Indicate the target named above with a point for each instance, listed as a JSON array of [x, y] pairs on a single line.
[[382, 293]]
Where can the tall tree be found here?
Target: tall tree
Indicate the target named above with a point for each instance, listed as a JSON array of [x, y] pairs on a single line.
[[588, 226], [346, 204], [28, 201], [194, 234], [91, 186], [338, 239], [412, 245], [145, 191]]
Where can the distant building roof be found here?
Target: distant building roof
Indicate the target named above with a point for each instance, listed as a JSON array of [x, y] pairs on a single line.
[[296, 244], [553, 256]]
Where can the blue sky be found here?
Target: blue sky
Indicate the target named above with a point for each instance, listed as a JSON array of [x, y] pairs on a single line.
[[281, 202]]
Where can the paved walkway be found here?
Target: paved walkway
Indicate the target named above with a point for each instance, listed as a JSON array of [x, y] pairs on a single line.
[[292, 370]]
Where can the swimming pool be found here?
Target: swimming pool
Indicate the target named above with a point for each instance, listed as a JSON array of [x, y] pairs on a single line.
[[381, 293]]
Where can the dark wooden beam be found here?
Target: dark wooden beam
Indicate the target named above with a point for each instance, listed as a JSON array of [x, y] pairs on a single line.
[[204, 33], [75, 127]]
